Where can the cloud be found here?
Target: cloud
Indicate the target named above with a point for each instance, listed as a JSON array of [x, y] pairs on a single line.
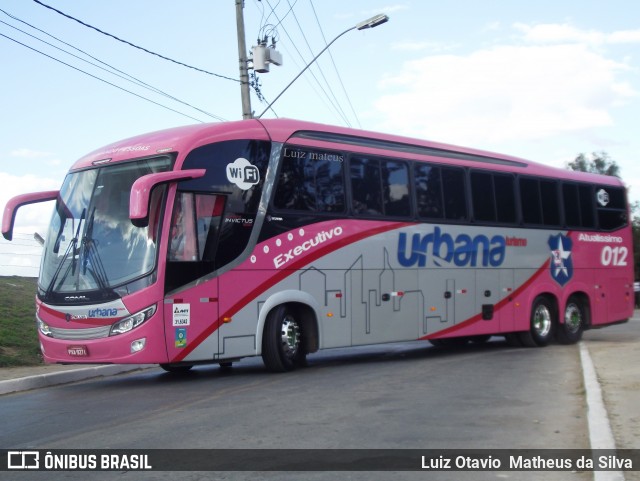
[[386, 9], [491, 26], [410, 46], [506, 92], [29, 154], [398, 7], [36, 155], [22, 256], [565, 33], [30, 218]]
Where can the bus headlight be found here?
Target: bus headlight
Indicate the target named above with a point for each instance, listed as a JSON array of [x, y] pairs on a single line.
[[133, 321], [44, 328]]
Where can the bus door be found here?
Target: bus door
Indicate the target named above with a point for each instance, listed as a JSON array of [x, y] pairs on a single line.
[[191, 302], [188, 316]]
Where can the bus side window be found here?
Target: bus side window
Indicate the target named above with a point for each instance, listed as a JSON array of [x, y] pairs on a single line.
[[530, 201], [182, 246], [550, 202], [505, 198], [366, 190], [578, 205], [380, 187], [310, 181], [611, 203], [454, 192], [209, 209], [194, 216], [429, 191], [395, 183], [482, 196]]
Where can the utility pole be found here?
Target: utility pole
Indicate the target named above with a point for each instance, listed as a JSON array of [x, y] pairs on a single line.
[[242, 56]]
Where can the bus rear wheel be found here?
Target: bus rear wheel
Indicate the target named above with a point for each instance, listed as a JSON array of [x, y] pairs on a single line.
[[282, 346], [541, 324], [575, 318]]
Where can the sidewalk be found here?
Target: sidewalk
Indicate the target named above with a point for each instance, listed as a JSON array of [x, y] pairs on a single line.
[[615, 352], [14, 379]]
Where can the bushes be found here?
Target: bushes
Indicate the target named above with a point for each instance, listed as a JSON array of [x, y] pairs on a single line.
[[18, 335]]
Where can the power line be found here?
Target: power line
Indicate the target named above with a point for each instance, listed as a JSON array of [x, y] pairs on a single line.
[[76, 48], [280, 20], [344, 90], [318, 83], [101, 79], [314, 86], [273, 12], [335, 100], [116, 72], [134, 45]]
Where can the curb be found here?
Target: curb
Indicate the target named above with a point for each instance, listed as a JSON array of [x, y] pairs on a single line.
[[64, 377]]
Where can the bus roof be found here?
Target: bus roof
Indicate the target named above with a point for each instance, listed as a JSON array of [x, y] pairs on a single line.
[[184, 139]]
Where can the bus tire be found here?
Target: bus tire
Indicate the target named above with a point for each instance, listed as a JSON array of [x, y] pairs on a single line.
[[541, 325], [575, 319], [176, 368], [282, 347]]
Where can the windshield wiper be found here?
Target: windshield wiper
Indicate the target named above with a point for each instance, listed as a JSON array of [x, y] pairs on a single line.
[[71, 248], [92, 256]]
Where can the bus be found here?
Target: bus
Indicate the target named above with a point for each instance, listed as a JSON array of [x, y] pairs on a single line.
[[277, 238]]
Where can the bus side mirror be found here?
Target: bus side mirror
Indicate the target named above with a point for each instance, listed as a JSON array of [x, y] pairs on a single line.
[[142, 187], [18, 201]]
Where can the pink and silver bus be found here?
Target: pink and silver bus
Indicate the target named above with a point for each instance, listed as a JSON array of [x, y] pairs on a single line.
[[211, 243]]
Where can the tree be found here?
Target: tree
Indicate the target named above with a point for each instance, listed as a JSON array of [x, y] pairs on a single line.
[[601, 163]]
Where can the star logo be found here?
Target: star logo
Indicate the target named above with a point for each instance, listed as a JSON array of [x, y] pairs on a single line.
[[561, 260]]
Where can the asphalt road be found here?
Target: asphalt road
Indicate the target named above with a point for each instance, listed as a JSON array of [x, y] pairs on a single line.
[[408, 395]]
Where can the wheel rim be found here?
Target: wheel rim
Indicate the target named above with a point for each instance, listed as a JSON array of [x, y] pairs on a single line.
[[542, 321], [290, 339], [573, 318]]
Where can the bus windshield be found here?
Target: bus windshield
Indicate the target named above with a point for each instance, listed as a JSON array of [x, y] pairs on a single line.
[[92, 245]]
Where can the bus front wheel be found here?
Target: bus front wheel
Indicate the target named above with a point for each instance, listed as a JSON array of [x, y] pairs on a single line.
[[575, 318], [541, 324], [282, 347]]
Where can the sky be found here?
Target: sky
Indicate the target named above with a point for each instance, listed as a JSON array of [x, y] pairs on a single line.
[[544, 80]]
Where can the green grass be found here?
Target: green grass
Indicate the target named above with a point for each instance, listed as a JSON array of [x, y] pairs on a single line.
[[19, 344]]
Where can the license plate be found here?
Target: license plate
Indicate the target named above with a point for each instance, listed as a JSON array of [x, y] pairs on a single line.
[[78, 351]]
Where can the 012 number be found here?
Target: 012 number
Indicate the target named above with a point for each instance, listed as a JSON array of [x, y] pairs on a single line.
[[614, 256]]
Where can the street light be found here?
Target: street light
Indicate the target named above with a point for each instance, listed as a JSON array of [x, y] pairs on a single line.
[[370, 23]]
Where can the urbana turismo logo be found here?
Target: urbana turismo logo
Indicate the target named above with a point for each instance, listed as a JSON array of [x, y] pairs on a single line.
[[444, 249], [107, 312], [561, 260]]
